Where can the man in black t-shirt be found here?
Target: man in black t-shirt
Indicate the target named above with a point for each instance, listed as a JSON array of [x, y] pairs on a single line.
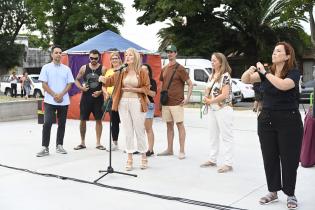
[[92, 98]]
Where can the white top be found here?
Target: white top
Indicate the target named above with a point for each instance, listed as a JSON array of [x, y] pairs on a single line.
[[13, 80], [217, 88], [58, 76]]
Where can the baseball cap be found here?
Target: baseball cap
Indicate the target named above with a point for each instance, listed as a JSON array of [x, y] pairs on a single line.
[[171, 48]]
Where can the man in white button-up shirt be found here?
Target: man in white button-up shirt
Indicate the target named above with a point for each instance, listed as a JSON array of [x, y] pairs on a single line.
[[57, 79]]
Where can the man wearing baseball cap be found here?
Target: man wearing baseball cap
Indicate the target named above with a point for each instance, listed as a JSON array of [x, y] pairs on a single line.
[[173, 111]]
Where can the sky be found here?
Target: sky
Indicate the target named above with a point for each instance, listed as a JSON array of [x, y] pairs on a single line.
[[145, 36]]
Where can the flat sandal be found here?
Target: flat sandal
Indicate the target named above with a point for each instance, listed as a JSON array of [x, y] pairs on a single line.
[[208, 164], [269, 198]]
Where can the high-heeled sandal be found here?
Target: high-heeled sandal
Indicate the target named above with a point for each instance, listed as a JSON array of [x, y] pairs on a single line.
[[129, 165], [144, 163]]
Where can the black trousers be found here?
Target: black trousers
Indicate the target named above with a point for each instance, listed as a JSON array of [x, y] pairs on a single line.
[[115, 125], [13, 90], [48, 121], [280, 135]]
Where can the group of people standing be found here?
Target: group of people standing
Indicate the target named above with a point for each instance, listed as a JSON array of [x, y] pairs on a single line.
[[26, 84], [280, 128]]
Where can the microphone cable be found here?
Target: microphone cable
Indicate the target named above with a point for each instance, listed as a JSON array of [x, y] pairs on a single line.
[[165, 197]]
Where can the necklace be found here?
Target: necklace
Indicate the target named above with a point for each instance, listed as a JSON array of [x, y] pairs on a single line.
[[93, 70]]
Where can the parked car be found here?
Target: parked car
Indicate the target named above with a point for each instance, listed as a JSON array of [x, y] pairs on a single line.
[[199, 76], [306, 89], [36, 87], [247, 91]]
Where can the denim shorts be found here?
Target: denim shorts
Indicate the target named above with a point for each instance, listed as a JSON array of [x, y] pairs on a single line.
[[150, 112]]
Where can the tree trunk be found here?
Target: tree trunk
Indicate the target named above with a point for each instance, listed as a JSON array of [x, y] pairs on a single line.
[[312, 24]]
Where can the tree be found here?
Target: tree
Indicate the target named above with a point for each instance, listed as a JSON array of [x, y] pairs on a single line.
[[193, 27], [10, 24], [70, 22], [300, 8], [36, 42], [239, 27], [258, 25]]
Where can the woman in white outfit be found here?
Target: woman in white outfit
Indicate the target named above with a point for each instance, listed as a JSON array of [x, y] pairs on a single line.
[[218, 99], [130, 100]]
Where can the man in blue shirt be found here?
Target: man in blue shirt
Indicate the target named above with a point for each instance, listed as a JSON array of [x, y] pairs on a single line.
[[57, 79]]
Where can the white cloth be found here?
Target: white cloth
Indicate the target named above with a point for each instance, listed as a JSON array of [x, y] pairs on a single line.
[[13, 80], [220, 127], [216, 89], [57, 77], [132, 120]]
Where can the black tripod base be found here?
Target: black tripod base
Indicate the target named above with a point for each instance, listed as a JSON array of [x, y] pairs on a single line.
[[110, 170]]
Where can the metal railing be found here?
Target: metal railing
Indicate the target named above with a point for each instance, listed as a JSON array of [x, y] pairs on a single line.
[[198, 93]]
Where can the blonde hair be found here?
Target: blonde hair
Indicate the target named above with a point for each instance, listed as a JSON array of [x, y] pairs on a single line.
[[112, 55], [137, 58], [225, 67]]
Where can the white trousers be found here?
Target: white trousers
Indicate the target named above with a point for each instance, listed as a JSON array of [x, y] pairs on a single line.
[[132, 120], [220, 125]]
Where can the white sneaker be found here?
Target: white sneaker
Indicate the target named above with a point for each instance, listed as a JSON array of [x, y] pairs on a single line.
[[114, 147], [60, 149], [44, 152]]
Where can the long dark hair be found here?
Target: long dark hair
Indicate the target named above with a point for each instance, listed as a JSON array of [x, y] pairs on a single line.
[[289, 64], [149, 69]]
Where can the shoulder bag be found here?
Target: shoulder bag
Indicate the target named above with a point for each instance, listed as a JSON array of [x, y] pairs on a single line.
[[164, 93]]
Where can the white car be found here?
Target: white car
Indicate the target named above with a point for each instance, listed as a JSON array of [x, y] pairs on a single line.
[[199, 76], [246, 89], [36, 87]]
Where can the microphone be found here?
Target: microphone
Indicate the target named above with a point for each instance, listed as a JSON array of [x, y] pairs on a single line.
[[121, 67]]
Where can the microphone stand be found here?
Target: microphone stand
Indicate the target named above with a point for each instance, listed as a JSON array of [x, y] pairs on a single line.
[[110, 169]]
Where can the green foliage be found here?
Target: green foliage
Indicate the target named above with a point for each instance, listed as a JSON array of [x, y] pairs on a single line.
[[37, 42], [240, 27], [10, 54], [70, 22], [10, 24], [302, 9]]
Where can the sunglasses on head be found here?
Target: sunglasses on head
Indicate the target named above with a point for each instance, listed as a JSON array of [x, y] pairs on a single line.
[[94, 58], [114, 58]]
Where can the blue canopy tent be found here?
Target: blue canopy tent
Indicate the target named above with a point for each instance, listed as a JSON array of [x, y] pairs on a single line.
[[105, 43]]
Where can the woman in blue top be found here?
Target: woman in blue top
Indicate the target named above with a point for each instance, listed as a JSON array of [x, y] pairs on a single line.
[[280, 127]]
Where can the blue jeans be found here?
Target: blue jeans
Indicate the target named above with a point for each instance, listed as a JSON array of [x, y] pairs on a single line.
[[48, 121]]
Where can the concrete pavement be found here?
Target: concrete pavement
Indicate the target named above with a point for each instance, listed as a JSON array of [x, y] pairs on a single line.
[[20, 140]]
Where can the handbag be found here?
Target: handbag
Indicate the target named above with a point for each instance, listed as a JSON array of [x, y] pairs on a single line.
[[164, 93]]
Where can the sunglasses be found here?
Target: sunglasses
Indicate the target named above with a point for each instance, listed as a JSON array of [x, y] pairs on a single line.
[[94, 58]]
